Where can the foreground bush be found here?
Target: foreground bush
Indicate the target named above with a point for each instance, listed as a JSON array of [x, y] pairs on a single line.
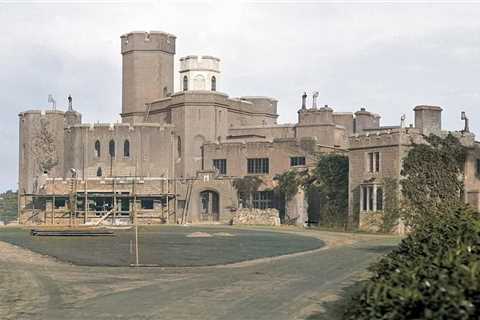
[[433, 274]]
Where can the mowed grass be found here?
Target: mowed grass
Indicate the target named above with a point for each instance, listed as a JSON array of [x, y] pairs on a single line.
[[166, 246]]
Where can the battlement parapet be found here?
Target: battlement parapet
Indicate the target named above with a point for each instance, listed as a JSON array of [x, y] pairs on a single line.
[[199, 63], [270, 126], [148, 41], [120, 126], [41, 112], [384, 138], [322, 115]]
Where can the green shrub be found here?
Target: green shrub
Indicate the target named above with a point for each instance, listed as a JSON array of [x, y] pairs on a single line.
[[433, 274], [8, 206]]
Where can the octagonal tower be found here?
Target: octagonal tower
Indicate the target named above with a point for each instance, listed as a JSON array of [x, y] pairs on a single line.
[[199, 73]]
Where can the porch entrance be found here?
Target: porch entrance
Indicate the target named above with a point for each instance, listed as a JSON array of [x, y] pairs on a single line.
[[209, 206]]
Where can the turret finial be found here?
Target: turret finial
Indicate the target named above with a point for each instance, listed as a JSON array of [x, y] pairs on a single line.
[[314, 100], [402, 121], [70, 103], [464, 118]]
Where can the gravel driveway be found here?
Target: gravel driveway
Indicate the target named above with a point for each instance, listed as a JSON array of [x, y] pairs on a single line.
[[294, 286]]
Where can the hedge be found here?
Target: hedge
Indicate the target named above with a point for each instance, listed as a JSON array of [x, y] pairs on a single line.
[[433, 274]]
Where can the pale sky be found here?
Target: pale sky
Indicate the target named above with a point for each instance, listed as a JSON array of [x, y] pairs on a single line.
[[385, 57]]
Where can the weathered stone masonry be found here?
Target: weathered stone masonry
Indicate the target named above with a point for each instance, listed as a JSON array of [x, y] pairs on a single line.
[[173, 157]]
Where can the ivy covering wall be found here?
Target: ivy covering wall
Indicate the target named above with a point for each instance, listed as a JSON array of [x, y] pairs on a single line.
[[327, 191], [392, 211], [432, 177], [435, 271]]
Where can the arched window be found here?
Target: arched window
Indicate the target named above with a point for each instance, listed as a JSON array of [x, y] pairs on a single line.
[[111, 148], [99, 172], [214, 83], [97, 149], [126, 149], [165, 91], [185, 83], [179, 147]]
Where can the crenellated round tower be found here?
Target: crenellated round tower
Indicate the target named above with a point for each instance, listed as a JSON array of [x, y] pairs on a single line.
[[147, 70]]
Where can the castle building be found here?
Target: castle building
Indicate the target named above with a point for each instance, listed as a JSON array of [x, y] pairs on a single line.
[[175, 154], [375, 163]]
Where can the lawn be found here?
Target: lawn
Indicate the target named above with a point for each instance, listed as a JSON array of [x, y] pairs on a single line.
[[166, 246]]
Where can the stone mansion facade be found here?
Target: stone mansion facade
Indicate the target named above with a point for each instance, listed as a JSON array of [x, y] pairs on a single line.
[[174, 156]]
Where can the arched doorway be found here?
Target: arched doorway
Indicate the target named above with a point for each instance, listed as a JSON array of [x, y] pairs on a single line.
[[209, 206]]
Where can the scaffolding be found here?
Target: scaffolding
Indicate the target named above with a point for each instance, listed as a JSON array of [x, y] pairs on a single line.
[[114, 200]]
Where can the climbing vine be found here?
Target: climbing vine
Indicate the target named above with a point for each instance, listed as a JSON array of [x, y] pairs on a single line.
[[44, 149], [327, 190], [432, 177], [287, 187], [246, 186], [391, 212], [287, 184]]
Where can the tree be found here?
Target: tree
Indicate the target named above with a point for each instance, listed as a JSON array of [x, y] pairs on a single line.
[[246, 186], [8, 206]]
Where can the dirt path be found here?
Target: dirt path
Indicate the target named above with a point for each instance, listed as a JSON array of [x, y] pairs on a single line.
[[291, 287]]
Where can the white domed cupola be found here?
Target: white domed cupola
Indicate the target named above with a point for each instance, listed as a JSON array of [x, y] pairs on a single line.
[[199, 73]]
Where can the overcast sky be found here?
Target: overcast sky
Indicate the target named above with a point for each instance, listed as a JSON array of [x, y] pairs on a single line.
[[386, 57]]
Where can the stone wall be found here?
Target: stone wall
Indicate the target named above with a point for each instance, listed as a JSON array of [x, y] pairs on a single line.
[[373, 222], [144, 159], [279, 152], [245, 216]]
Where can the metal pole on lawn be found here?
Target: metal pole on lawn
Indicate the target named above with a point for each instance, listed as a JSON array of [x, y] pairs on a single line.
[[135, 215], [136, 244]]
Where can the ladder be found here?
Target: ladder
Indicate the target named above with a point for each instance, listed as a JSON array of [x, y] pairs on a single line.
[[148, 106], [104, 217], [187, 202]]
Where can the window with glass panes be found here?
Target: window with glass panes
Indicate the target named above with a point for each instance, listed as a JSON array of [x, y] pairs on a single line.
[[297, 161], [373, 161], [220, 165], [257, 165], [371, 198], [262, 199]]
